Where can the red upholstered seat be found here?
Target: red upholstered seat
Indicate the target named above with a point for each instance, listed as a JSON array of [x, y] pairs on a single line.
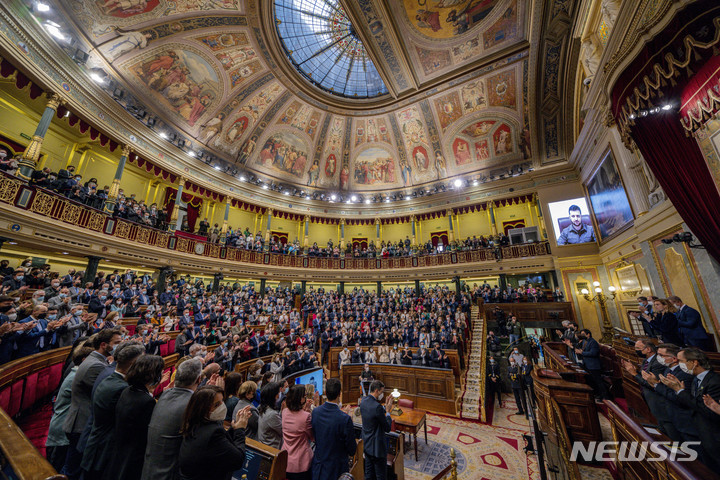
[[171, 346], [164, 350], [16, 391], [131, 329], [5, 399], [405, 403], [35, 427], [55, 377], [30, 392], [43, 384]]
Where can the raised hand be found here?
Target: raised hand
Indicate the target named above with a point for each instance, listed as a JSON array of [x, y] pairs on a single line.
[[711, 404], [242, 417]]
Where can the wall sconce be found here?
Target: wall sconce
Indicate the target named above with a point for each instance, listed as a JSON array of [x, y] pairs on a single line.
[[602, 300]]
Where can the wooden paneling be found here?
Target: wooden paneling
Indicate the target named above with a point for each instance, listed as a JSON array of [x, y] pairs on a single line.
[[334, 361], [575, 401], [538, 315], [432, 389]]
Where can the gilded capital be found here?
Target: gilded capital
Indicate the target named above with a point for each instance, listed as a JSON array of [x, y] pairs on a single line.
[[126, 150], [54, 101], [270, 212]]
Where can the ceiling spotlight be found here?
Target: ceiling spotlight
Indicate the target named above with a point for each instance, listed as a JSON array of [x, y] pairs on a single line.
[[191, 153], [353, 198], [368, 201], [42, 7], [333, 197], [667, 106], [407, 197], [286, 192], [265, 187], [217, 167], [308, 197], [387, 199], [458, 183], [632, 116], [54, 30], [67, 113], [475, 183], [242, 178], [97, 78]]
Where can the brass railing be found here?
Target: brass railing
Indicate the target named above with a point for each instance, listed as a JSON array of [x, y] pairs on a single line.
[[46, 203]]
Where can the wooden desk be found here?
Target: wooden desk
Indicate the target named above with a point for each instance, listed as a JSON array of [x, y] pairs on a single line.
[[536, 315], [432, 389], [556, 359], [410, 422], [576, 402]]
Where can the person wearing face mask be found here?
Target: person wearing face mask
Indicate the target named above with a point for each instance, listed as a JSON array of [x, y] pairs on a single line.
[[494, 382], [646, 308], [344, 357], [406, 357], [207, 450], [376, 422], [703, 394], [526, 370], [516, 383], [100, 304], [516, 355], [690, 324], [366, 377], [132, 416], [269, 422], [14, 285], [37, 338], [103, 343]]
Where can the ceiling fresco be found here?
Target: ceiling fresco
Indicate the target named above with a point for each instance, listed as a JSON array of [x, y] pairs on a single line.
[[206, 71]]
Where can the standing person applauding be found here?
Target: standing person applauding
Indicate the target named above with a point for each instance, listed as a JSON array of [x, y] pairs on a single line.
[[297, 434], [376, 422], [207, 450]]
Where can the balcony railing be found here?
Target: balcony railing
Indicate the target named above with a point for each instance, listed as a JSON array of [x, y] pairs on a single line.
[[46, 203]]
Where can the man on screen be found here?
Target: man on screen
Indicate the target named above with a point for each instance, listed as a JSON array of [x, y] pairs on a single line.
[[577, 231]]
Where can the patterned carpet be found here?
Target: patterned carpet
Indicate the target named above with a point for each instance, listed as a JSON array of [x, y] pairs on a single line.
[[471, 395], [484, 452]]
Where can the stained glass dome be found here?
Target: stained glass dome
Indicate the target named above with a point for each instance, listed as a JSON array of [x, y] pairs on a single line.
[[321, 43]]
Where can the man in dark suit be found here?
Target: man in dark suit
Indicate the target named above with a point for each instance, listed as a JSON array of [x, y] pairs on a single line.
[[164, 438], [36, 338], [437, 357], [494, 382], [590, 352], [357, 355], [516, 383], [334, 435], [653, 366], [98, 448], [376, 422], [682, 428], [80, 405], [690, 324], [706, 383]]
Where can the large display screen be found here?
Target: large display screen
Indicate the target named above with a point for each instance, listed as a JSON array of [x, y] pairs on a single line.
[[314, 378], [571, 221]]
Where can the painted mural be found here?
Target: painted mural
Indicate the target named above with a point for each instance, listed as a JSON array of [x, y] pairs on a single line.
[[502, 140], [372, 130], [446, 18], [478, 129], [374, 167], [503, 30], [461, 151], [222, 41], [502, 90], [473, 96], [285, 153], [182, 79], [448, 109]]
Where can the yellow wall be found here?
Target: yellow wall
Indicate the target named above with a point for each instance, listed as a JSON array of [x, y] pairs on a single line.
[[284, 225], [428, 227], [395, 232], [475, 223], [514, 213], [321, 233], [360, 231]]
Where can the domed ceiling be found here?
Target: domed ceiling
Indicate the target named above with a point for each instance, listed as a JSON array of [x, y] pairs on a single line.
[[360, 96]]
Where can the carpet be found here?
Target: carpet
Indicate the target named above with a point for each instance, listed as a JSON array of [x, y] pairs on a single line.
[[483, 452]]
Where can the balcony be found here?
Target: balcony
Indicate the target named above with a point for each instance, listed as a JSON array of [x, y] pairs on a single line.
[[47, 211]]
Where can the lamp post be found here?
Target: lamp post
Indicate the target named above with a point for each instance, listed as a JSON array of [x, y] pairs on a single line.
[[602, 299]]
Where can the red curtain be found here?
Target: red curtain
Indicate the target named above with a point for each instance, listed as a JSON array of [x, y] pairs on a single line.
[[194, 204], [681, 170]]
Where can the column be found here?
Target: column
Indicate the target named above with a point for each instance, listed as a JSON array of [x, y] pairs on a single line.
[[162, 278], [451, 232], [307, 232], [413, 221], [377, 233], [32, 152], [176, 207], [417, 287], [491, 219], [341, 288], [457, 286], [266, 247], [379, 288], [228, 200], [91, 269], [342, 235], [115, 187], [262, 287], [541, 219], [303, 286], [636, 182]]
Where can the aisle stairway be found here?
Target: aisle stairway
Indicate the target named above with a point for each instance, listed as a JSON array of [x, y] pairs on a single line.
[[472, 397]]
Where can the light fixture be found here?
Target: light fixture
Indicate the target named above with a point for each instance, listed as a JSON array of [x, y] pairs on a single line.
[[242, 178], [265, 187], [42, 7], [163, 135], [611, 288], [54, 30], [408, 197], [602, 299], [97, 78], [475, 183], [598, 290], [191, 153], [65, 253], [667, 106], [632, 116], [368, 201], [584, 291], [333, 197], [596, 283], [458, 183], [286, 192], [353, 198], [67, 113], [396, 396], [217, 167], [387, 199]]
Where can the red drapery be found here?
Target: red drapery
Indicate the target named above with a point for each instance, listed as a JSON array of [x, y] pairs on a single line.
[[700, 98], [681, 169], [193, 205]]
